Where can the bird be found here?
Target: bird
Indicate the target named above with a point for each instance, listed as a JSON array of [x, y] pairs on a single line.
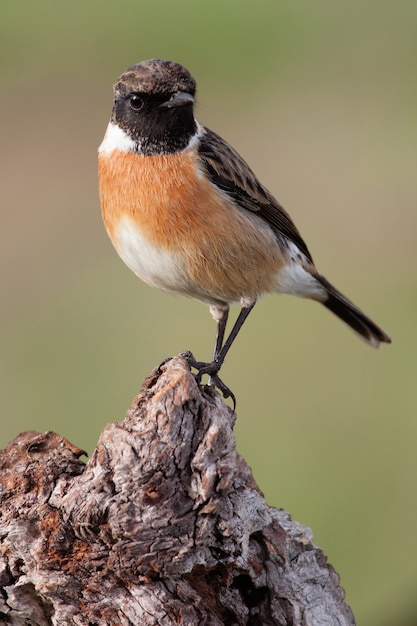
[[187, 214]]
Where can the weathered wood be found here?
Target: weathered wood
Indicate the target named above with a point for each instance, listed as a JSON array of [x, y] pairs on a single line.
[[164, 525]]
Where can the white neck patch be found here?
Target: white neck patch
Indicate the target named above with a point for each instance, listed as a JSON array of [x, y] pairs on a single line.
[[117, 139]]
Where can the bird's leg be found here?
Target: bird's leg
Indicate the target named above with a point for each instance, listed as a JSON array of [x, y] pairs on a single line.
[[219, 359], [213, 368], [220, 314]]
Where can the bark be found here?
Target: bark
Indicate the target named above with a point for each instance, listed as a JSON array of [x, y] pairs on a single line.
[[164, 525]]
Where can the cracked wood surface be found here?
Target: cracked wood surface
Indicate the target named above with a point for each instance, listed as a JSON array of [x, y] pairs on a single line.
[[164, 525]]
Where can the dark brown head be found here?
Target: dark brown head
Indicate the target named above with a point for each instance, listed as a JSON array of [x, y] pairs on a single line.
[[153, 105]]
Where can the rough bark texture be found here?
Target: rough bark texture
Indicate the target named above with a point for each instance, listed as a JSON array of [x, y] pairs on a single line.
[[164, 525]]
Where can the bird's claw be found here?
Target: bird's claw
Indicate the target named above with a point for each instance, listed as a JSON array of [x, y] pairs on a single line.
[[211, 370], [226, 391]]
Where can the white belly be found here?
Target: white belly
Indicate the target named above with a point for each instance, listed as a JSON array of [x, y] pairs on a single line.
[[154, 266]]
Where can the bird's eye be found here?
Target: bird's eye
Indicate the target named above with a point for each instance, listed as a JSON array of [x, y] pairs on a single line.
[[136, 102]]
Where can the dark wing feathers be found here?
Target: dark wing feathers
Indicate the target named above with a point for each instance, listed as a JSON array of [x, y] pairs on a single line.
[[230, 173]]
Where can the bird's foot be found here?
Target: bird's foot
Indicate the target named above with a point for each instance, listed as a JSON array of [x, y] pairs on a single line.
[[211, 369]]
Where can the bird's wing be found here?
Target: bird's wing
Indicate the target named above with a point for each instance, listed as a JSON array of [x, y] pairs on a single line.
[[230, 173]]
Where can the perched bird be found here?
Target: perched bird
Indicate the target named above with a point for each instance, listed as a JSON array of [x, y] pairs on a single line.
[[186, 213]]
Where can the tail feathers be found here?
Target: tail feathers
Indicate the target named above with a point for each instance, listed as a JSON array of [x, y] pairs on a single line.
[[352, 316]]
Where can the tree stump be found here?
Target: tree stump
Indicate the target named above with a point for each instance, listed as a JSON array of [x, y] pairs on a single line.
[[164, 525]]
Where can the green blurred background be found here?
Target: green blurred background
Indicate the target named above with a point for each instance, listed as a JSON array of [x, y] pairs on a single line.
[[320, 98]]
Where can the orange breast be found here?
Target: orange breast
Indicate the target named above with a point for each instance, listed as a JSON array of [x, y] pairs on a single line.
[[227, 252]]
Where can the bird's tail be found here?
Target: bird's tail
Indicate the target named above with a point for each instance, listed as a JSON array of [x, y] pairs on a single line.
[[352, 316]]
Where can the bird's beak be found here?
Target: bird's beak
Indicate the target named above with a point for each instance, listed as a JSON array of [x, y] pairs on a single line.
[[179, 99]]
